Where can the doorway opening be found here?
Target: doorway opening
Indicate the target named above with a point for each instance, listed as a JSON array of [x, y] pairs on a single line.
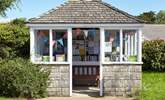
[[86, 61]]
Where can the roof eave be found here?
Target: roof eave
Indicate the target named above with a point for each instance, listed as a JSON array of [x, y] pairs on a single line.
[[110, 25]]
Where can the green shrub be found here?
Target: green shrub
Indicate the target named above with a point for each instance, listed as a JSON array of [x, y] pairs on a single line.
[[20, 78], [14, 40], [154, 55]]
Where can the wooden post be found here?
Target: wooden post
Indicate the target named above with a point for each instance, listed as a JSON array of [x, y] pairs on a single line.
[[69, 40], [102, 55], [51, 45], [121, 45], [32, 45], [140, 45]]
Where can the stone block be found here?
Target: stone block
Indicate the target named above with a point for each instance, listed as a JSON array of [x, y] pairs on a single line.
[[112, 94], [55, 70], [120, 89], [65, 76], [64, 69], [119, 79], [58, 80], [64, 84], [51, 93], [120, 93], [65, 91], [136, 76]]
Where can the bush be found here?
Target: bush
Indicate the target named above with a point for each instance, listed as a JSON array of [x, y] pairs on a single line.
[[20, 78], [154, 55], [14, 40]]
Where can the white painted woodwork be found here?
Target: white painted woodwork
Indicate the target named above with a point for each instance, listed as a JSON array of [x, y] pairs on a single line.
[[126, 45], [135, 45], [32, 46], [132, 42], [121, 45], [140, 45], [102, 55], [129, 45], [70, 56], [50, 45]]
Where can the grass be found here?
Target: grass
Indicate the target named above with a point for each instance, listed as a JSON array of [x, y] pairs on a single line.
[[153, 86], [2, 98]]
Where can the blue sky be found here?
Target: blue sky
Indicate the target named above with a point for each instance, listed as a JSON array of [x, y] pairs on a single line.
[[33, 8]]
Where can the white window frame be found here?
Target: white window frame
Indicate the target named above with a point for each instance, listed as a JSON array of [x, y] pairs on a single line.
[[32, 46], [102, 30], [139, 51]]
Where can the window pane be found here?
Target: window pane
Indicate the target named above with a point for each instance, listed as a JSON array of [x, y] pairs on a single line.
[[59, 45], [130, 45], [42, 45], [112, 45]]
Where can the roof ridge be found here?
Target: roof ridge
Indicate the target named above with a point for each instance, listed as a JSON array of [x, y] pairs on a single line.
[[123, 12]]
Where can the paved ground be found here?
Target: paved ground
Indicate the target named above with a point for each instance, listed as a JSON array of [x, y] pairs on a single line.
[[85, 93], [86, 98]]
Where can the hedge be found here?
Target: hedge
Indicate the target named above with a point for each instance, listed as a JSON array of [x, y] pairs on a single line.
[[154, 55], [20, 78]]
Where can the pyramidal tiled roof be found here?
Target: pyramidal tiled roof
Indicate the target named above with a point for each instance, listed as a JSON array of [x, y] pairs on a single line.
[[85, 12]]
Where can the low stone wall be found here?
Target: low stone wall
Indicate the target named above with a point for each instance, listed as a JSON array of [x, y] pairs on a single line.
[[121, 80], [59, 80]]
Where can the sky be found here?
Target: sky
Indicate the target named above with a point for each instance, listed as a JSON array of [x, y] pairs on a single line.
[[33, 8]]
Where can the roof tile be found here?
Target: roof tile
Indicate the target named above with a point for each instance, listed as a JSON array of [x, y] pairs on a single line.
[[85, 12]]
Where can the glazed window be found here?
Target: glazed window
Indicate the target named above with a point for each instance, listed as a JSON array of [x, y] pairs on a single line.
[[50, 46], [122, 46], [59, 43], [130, 45], [86, 44], [112, 46], [42, 46]]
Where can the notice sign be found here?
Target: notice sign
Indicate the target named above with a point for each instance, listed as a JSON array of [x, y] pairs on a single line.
[[108, 47]]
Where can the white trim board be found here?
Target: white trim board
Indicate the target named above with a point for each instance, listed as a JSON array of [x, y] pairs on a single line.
[[70, 58], [51, 63], [84, 63], [113, 26], [122, 63], [102, 39]]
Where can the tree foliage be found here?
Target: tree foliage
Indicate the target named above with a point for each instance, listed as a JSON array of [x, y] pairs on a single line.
[[153, 17], [7, 4], [14, 40], [150, 17], [19, 21], [160, 17]]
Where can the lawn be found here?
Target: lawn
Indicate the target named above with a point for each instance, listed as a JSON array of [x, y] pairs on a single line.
[[2, 98], [153, 86]]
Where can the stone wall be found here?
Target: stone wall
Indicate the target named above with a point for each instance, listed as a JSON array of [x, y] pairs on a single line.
[[121, 80], [59, 83]]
